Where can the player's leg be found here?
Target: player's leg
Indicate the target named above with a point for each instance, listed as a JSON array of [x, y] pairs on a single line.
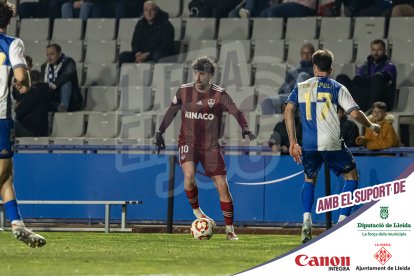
[[188, 162], [351, 183], [213, 164], [312, 162], [226, 204], [12, 209], [7, 190], [342, 162]]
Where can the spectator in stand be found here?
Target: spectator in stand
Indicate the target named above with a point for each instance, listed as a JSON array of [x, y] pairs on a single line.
[[212, 8], [279, 140], [41, 9], [402, 8], [60, 73], [375, 80], [362, 8], [301, 73], [251, 8], [153, 37], [349, 130], [291, 8], [86, 9], [32, 107], [387, 138], [128, 8]]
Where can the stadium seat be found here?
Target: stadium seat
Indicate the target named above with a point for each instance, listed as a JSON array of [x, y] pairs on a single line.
[[233, 29], [168, 74], [405, 74], [235, 51], [343, 49], [126, 29], [369, 28], [200, 28], [232, 133], [301, 28], [34, 29], [80, 72], [172, 7], [36, 49], [178, 27], [68, 124], [243, 97], [71, 48], [12, 28], [137, 128], [269, 51], [333, 28], [266, 126], [102, 98], [102, 128], [100, 29], [402, 51], [293, 55], [343, 68], [133, 74], [101, 74], [137, 99], [270, 75], [185, 11], [163, 97], [67, 29], [232, 74], [405, 106], [125, 46], [267, 29], [266, 100], [198, 48], [400, 28], [100, 51]]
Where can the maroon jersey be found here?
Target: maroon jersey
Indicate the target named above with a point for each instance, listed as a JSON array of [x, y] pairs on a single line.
[[201, 115]]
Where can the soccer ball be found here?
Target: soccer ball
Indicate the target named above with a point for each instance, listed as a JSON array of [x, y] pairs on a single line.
[[202, 229]]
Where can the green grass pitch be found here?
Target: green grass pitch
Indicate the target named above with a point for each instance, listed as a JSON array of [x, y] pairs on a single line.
[[138, 254]]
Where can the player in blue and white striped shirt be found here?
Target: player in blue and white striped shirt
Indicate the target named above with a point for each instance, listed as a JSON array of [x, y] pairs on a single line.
[[318, 99]]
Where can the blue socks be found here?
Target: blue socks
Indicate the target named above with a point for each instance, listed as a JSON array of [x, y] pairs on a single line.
[[12, 210], [350, 186], [308, 191]]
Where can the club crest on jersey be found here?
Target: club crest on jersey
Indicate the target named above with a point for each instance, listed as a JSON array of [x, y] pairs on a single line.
[[211, 102]]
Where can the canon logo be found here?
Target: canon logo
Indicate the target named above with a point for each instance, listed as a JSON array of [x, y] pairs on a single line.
[[195, 115], [304, 260]]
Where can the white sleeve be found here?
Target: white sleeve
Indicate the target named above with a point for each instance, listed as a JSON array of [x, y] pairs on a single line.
[[346, 101], [16, 54]]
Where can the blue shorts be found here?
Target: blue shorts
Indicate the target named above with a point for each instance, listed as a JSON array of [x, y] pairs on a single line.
[[340, 161], [6, 138]]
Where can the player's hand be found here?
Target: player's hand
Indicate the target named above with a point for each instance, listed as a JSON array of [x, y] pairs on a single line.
[[376, 128], [159, 141], [21, 88], [360, 141], [249, 133], [295, 151]]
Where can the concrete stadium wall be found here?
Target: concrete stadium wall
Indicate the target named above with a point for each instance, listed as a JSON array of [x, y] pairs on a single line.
[[145, 177]]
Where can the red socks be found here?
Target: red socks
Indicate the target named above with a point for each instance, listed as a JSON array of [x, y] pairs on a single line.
[[192, 196], [227, 209]]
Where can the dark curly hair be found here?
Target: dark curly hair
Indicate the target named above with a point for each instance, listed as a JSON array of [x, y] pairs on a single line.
[[6, 13], [204, 64], [323, 59]]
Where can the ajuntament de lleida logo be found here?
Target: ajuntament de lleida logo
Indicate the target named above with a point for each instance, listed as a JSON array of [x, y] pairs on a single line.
[[384, 212]]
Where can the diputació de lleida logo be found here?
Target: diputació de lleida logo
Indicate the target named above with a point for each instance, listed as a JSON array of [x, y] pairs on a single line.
[[384, 212]]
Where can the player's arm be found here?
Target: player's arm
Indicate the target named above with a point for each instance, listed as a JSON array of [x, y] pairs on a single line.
[[166, 121], [289, 115], [232, 108], [18, 63], [360, 117]]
